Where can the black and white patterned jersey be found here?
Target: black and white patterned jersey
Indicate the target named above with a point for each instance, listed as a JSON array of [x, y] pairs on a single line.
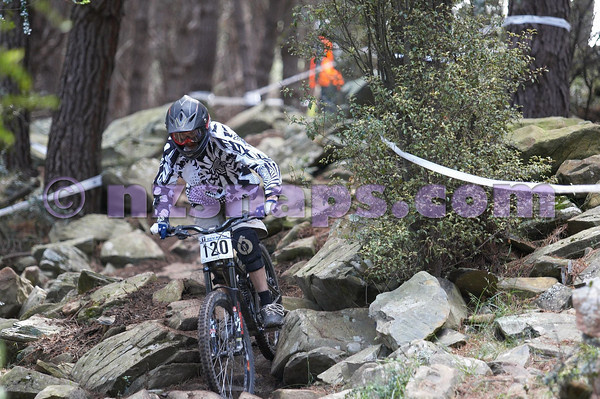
[[228, 162]]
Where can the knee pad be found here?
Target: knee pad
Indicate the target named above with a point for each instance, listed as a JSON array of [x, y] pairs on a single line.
[[246, 244]]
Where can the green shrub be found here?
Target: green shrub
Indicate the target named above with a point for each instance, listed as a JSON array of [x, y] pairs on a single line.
[[442, 87]]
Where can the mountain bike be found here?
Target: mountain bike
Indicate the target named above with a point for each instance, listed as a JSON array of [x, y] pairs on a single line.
[[230, 312]]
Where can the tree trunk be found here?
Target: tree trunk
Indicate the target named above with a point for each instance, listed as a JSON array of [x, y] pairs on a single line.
[[274, 15], [207, 47], [291, 63], [48, 46], [247, 41], [131, 81], [74, 148], [16, 120], [138, 93], [185, 46], [549, 95]]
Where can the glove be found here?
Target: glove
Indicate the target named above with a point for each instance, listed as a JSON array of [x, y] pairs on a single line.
[[161, 228], [267, 208], [270, 204]]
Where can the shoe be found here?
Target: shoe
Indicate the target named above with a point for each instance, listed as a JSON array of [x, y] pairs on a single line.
[[272, 315]]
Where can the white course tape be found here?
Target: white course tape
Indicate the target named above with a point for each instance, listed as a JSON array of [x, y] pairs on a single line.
[[39, 148], [64, 192], [536, 19], [482, 181], [254, 97]]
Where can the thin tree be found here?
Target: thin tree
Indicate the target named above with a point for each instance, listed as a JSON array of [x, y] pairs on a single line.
[[187, 41], [16, 119], [548, 95], [74, 147]]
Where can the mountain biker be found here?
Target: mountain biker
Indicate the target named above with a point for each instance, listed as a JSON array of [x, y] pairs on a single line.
[[212, 159]]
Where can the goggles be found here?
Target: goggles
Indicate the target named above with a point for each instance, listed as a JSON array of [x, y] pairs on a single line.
[[183, 138]]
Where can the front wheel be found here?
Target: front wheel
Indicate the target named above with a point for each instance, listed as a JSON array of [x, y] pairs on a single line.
[[226, 361], [267, 340]]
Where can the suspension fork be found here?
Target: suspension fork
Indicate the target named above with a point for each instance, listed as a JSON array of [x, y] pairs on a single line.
[[233, 293], [207, 279]]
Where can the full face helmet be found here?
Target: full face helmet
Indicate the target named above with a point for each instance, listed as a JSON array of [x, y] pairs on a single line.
[[187, 123]]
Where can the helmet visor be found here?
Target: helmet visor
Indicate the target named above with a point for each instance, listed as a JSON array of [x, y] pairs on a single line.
[[185, 138]]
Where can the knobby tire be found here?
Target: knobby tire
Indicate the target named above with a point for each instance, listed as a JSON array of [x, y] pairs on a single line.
[[227, 372]]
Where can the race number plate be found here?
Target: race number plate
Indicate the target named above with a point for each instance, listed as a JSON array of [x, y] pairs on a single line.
[[215, 246]]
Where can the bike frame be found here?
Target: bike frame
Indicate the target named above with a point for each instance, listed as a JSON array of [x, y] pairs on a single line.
[[232, 289], [232, 270]]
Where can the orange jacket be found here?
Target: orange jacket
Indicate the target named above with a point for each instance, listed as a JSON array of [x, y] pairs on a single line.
[[328, 74]]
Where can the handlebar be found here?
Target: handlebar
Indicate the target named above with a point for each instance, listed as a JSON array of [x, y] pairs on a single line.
[[183, 231]]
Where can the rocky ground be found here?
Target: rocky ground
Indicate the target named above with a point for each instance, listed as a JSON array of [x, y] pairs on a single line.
[[100, 307], [77, 338]]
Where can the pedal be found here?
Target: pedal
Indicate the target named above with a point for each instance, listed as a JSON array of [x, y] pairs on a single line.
[[271, 329]]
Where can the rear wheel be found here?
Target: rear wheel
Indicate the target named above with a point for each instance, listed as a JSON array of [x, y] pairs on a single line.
[[227, 364], [267, 340]]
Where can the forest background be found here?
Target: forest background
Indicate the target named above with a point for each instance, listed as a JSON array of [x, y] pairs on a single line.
[[86, 63]]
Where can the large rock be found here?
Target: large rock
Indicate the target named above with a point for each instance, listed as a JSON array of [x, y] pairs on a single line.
[[474, 282], [132, 247], [60, 259], [89, 280], [558, 138], [294, 153], [86, 244], [376, 374], [592, 200], [332, 278], [62, 392], [579, 171], [141, 174], [428, 353], [35, 298], [132, 360], [415, 310], [341, 372], [526, 287], [22, 383], [519, 355], [586, 301], [349, 330], [591, 270], [14, 291], [258, 119], [556, 299], [538, 228], [435, 381], [183, 315], [170, 293], [30, 330], [585, 220], [98, 226], [303, 368], [60, 287], [117, 292], [555, 327], [303, 248], [136, 136], [572, 247], [549, 266]]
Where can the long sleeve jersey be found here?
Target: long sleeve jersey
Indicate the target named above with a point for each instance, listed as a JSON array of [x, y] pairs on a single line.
[[227, 163]]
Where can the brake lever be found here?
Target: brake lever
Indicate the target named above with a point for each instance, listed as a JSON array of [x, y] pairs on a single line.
[[180, 233]]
